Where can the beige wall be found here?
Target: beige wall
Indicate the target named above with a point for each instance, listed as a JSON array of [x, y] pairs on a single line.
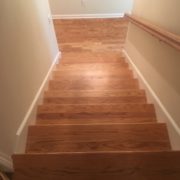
[[164, 13], [27, 49], [90, 6], [158, 62]]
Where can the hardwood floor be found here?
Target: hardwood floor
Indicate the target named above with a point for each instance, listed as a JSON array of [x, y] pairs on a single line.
[[93, 35], [95, 122]]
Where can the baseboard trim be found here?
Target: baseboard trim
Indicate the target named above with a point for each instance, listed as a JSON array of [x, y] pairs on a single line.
[[87, 16], [31, 113], [161, 111], [6, 164]]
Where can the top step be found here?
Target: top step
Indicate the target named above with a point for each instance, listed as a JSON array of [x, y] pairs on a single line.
[[79, 30]]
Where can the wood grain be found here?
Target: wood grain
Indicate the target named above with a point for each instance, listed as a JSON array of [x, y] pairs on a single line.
[[97, 166], [91, 78], [96, 108], [80, 111], [92, 93], [92, 35], [93, 67], [101, 120], [124, 73], [87, 138], [95, 100], [98, 30], [92, 57], [93, 84], [94, 97]]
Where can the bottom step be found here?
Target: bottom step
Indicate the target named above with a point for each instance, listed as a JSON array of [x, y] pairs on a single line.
[[98, 166]]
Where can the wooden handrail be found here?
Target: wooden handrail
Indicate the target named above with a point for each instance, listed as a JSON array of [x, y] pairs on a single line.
[[160, 33]]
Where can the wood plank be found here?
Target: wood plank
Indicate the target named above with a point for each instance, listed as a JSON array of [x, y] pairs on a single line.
[[99, 36], [94, 97], [92, 57], [94, 100], [92, 138], [94, 93], [95, 72], [108, 108], [126, 74], [97, 166], [93, 67], [89, 120], [93, 84], [94, 46], [90, 78], [90, 30], [79, 111], [77, 59]]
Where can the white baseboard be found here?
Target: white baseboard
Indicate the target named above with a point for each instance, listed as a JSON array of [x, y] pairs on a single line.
[[162, 113], [87, 16], [31, 113], [5, 163]]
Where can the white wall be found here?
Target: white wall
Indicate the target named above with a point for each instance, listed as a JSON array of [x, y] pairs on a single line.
[[27, 49], [67, 7], [159, 63]]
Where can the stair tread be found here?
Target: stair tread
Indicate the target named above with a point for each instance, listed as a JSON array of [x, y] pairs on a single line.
[[91, 78], [89, 57], [94, 97], [83, 138], [95, 93], [123, 72], [96, 166], [91, 63], [94, 84], [94, 100], [105, 108], [96, 121], [93, 67], [96, 65], [102, 111]]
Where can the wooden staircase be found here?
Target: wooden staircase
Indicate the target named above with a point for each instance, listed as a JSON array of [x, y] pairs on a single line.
[[95, 122]]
